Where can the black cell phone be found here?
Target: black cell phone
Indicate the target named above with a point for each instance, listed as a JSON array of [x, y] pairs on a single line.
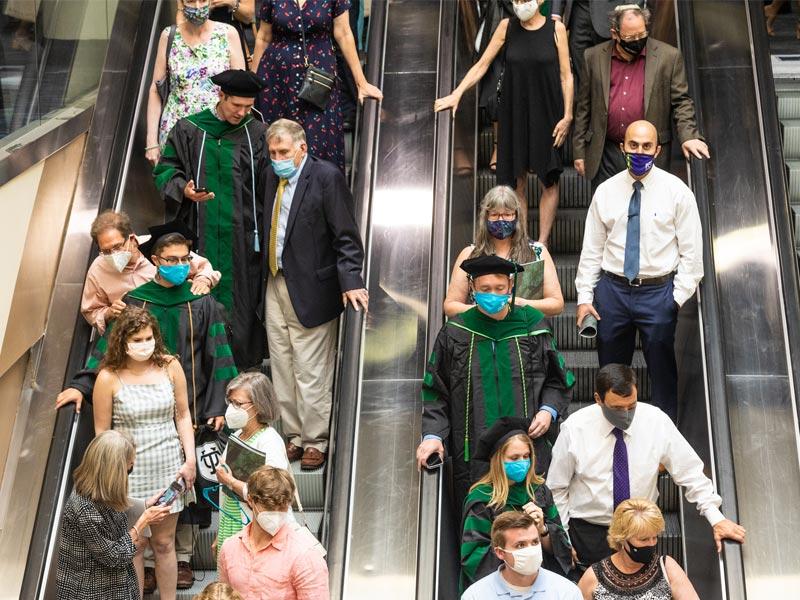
[[200, 190], [433, 461], [175, 489]]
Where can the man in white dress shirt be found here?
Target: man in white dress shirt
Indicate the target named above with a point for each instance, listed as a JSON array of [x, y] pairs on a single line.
[[642, 258], [611, 451]]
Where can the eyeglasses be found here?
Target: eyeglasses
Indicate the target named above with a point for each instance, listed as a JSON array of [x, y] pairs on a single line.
[[175, 260], [635, 37], [115, 248], [507, 216], [239, 404]]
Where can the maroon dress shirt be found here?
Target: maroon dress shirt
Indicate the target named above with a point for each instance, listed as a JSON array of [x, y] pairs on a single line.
[[625, 94]]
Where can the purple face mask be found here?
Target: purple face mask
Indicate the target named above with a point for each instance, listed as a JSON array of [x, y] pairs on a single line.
[[639, 164], [501, 229]]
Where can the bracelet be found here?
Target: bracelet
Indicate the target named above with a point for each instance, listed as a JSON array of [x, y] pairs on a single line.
[[146, 148]]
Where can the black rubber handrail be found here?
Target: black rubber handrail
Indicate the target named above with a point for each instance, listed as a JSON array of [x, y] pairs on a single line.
[[712, 330], [347, 389]]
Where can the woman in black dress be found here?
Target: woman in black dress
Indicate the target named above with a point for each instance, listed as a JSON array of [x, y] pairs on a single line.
[[535, 107]]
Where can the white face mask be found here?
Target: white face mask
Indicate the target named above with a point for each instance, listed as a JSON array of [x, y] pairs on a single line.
[[526, 10], [141, 351], [271, 521], [118, 260], [236, 417], [526, 560]]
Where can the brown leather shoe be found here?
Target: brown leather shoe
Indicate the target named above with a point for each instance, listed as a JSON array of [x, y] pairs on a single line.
[[293, 452], [149, 580], [312, 459], [185, 575]]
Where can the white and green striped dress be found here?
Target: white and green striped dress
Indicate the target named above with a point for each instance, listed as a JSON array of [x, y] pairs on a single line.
[[146, 411]]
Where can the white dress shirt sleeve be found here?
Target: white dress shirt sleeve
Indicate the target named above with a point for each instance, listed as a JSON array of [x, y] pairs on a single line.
[[686, 469], [559, 476], [594, 241], [690, 247]]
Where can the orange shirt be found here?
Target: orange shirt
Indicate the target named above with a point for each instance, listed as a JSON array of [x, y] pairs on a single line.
[[290, 567]]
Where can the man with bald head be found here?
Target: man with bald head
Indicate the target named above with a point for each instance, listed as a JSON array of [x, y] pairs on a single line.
[[642, 258]]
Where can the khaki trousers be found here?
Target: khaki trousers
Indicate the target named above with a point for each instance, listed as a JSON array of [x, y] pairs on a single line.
[[302, 363]]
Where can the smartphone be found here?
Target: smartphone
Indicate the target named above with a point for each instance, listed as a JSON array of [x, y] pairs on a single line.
[[200, 190], [175, 489]]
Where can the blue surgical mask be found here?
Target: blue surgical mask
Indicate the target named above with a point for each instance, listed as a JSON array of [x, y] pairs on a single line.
[[285, 169], [491, 303], [196, 15], [501, 229], [517, 470], [639, 164], [174, 274]]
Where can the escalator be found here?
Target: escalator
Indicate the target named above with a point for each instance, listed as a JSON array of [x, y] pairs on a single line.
[[125, 182]]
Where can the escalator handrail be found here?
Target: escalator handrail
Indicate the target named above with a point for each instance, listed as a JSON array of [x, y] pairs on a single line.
[[720, 442], [347, 390]]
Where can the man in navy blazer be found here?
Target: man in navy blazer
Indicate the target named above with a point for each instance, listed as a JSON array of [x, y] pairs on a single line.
[[314, 257]]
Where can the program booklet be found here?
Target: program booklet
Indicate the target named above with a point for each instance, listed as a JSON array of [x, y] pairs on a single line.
[[242, 460], [530, 283]]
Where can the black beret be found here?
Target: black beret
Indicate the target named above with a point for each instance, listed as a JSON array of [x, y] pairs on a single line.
[[490, 265], [238, 82], [494, 437], [159, 231]]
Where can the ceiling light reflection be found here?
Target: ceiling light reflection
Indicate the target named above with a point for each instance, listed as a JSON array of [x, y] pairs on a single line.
[[402, 206], [743, 246]]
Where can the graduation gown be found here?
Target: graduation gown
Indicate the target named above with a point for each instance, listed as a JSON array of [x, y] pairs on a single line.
[[225, 159], [482, 369], [477, 558], [203, 349]]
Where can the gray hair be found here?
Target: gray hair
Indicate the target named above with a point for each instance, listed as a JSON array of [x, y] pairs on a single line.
[[288, 128], [502, 197], [261, 393], [619, 12]]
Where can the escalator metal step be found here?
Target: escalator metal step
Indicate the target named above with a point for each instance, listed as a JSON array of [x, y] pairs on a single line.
[[793, 177], [574, 191], [486, 140], [567, 234], [310, 486], [566, 333], [584, 365], [788, 104], [671, 541], [669, 497], [567, 269], [791, 138]]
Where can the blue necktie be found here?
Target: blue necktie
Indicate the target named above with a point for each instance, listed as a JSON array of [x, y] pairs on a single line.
[[631, 267], [622, 482]]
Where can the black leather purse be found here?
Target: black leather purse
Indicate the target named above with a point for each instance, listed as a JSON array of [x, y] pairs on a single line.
[[317, 83]]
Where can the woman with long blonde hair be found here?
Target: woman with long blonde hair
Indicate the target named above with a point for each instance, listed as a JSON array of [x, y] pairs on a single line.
[[97, 544], [511, 484], [502, 230]]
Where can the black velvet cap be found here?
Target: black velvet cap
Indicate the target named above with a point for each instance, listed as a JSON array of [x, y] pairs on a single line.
[[159, 231], [494, 437], [490, 265], [238, 82]]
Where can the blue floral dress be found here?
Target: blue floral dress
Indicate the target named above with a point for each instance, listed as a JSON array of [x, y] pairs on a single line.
[[282, 66], [190, 68]]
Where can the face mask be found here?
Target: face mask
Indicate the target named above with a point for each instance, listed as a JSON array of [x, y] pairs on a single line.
[[640, 554], [501, 229], [118, 260], [634, 47], [639, 164], [270, 522], [196, 15], [236, 417], [491, 303], [174, 274], [618, 417], [527, 560], [141, 351], [517, 470], [527, 10], [285, 169]]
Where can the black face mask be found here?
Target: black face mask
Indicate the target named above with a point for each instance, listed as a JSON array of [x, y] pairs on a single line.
[[634, 47], [641, 554]]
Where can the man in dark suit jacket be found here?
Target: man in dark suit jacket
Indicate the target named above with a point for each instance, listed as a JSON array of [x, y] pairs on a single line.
[[630, 78], [314, 258]]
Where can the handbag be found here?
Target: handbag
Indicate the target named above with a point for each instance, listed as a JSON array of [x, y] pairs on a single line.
[[317, 83], [162, 85]]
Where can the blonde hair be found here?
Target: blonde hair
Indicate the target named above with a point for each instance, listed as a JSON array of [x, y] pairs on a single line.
[[502, 198], [102, 476], [636, 517], [289, 128], [271, 488], [218, 591], [497, 478]]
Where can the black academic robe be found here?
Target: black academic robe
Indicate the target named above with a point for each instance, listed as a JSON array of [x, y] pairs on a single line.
[[225, 159]]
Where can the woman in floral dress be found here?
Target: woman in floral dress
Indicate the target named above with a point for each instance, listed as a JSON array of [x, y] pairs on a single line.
[[278, 58], [201, 48]]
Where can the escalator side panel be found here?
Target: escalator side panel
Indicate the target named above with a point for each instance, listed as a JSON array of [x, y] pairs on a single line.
[[763, 422]]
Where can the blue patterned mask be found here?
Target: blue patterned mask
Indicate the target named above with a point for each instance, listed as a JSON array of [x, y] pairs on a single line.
[[517, 470], [501, 229], [491, 303], [196, 15]]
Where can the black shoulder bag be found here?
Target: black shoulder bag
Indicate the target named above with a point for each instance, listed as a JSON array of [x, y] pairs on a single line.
[[317, 83]]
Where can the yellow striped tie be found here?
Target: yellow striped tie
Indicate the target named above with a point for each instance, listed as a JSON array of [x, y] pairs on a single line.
[[273, 232]]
